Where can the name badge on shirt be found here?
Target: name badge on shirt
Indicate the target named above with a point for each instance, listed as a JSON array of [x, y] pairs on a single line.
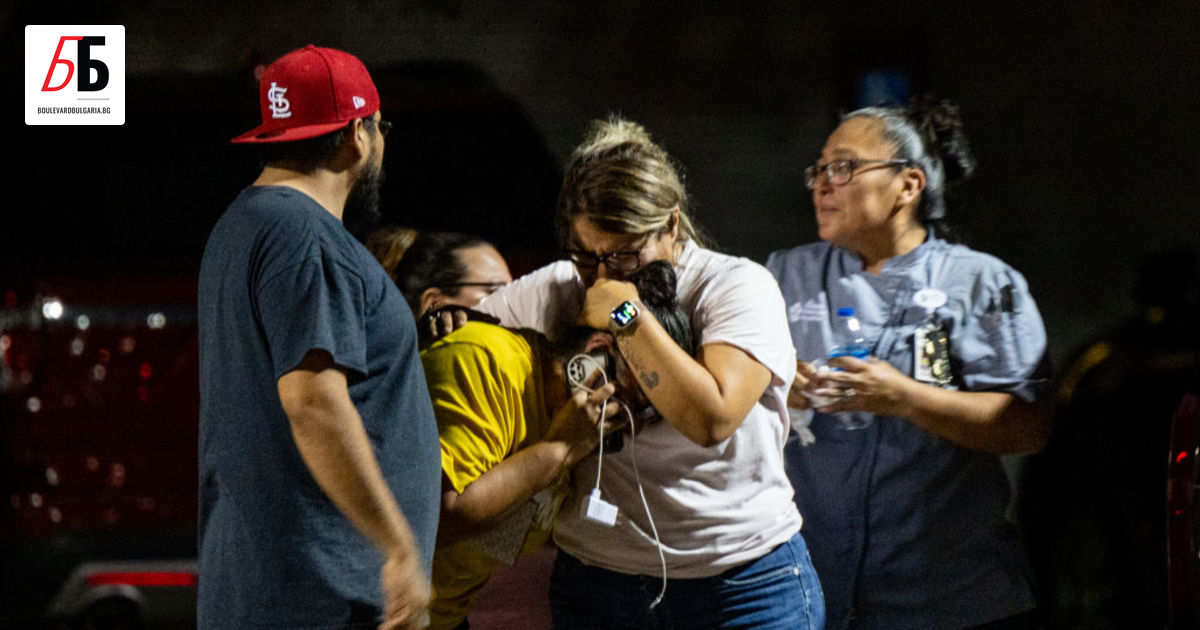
[[931, 354], [931, 342]]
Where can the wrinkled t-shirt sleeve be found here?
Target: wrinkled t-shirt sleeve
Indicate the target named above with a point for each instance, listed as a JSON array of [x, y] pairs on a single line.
[[476, 406], [744, 308], [1002, 343], [315, 304], [546, 300]]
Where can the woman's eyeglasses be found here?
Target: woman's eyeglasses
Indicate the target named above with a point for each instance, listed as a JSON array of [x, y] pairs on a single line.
[[488, 287], [622, 261], [840, 172]]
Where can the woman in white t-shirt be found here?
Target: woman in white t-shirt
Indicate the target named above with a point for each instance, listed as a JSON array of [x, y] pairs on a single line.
[[704, 510]]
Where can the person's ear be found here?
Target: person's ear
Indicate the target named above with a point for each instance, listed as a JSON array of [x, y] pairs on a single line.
[[360, 139], [912, 183], [431, 298]]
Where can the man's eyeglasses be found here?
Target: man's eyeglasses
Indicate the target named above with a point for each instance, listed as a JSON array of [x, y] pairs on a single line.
[[622, 261], [385, 126], [840, 172]]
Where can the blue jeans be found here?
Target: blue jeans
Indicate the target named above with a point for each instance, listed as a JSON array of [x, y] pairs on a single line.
[[778, 591]]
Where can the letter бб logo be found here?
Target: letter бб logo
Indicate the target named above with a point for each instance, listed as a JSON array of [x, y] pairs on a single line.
[[74, 75]]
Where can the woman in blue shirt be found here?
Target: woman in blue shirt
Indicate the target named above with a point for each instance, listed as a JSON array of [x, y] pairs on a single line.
[[905, 512]]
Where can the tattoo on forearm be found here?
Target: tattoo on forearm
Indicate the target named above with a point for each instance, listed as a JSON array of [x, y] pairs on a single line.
[[648, 380]]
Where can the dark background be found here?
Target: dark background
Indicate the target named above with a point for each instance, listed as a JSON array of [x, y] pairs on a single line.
[[1082, 116]]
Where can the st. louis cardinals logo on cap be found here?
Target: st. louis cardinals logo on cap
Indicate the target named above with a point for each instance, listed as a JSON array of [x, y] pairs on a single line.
[[277, 101], [310, 92]]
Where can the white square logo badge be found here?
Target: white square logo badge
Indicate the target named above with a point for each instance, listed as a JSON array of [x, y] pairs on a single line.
[[74, 75]]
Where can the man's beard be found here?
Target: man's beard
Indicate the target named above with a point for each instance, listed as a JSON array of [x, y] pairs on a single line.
[[361, 213]]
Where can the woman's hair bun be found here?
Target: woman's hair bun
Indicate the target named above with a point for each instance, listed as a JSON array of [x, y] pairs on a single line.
[[614, 132], [941, 128], [655, 283]]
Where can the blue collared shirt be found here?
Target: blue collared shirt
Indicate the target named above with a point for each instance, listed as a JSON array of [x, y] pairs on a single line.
[[906, 528]]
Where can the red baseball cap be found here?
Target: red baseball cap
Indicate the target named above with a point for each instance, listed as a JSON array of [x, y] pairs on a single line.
[[310, 92]]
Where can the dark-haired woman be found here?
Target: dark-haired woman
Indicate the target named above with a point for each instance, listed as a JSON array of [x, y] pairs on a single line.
[[439, 269], [898, 476]]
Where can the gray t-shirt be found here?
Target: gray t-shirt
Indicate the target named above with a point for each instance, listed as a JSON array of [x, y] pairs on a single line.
[[281, 276]]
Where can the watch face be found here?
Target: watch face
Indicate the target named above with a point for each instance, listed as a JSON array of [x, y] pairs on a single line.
[[624, 314]]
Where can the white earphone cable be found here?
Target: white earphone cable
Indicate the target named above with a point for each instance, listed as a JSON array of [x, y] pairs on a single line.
[[637, 475], [577, 372]]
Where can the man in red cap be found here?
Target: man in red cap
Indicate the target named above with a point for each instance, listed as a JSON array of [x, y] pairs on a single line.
[[319, 459]]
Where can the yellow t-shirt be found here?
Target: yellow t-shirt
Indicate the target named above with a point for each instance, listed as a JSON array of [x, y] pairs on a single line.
[[487, 391]]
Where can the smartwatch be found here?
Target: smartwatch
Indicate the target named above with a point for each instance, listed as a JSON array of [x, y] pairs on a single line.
[[624, 314]]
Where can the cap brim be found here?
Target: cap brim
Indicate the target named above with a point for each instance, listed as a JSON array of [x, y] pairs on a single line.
[[260, 135]]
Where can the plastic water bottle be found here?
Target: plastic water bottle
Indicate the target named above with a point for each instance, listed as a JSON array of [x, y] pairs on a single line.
[[847, 336], [849, 342]]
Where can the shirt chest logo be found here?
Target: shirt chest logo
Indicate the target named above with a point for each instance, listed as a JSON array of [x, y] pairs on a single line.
[[810, 311]]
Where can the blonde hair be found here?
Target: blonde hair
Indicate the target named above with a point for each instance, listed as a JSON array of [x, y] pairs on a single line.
[[388, 244], [622, 181]]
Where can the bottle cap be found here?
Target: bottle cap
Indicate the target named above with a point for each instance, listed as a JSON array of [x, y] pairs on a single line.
[[845, 311]]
